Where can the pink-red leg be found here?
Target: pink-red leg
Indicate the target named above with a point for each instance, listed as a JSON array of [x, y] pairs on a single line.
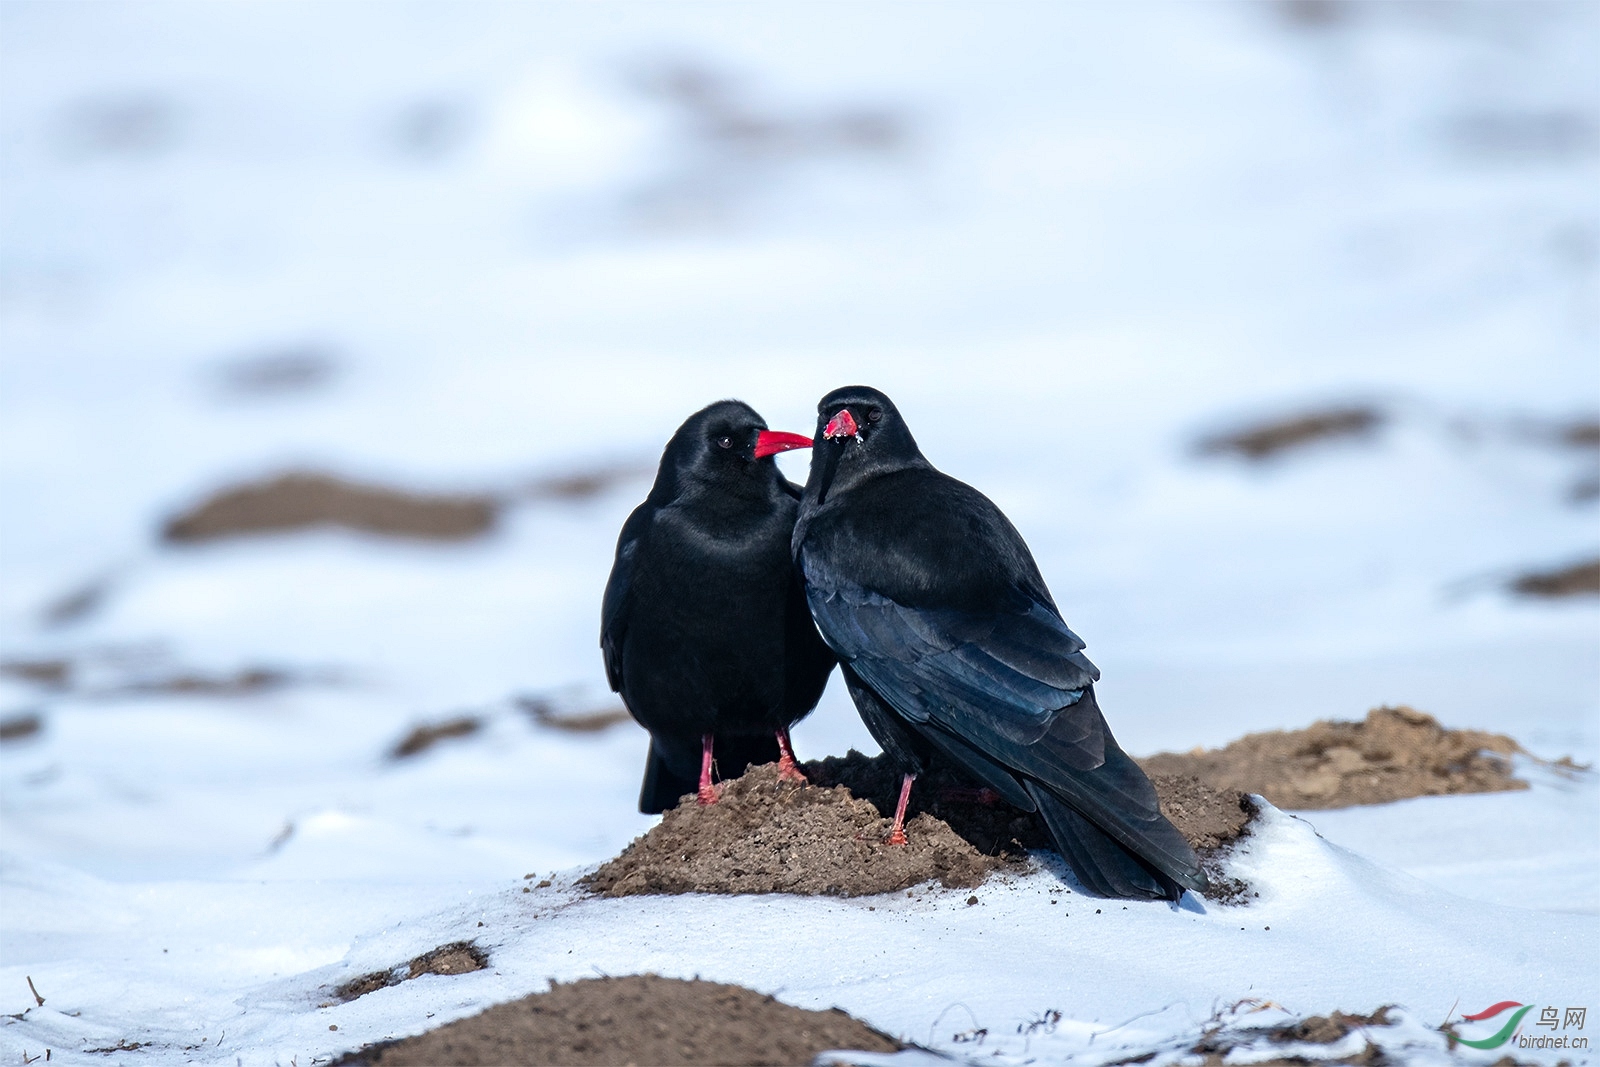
[[788, 769], [897, 836], [708, 792]]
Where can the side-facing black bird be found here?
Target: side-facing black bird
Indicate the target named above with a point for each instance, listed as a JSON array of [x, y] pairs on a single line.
[[704, 627], [949, 642]]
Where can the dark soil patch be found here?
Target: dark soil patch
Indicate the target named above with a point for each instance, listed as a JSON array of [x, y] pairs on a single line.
[[1212, 820], [584, 484], [458, 957], [1266, 440], [252, 681], [1396, 753], [424, 737], [297, 500], [292, 370], [135, 679], [1584, 433], [545, 713], [77, 604], [20, 727], [48, 673], [1218, 1046], [767, 836], [1580, 579], [638, 1019]]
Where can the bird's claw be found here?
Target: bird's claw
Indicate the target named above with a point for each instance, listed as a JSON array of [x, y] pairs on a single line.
[[789, 771], [896, 838], [709, 794]]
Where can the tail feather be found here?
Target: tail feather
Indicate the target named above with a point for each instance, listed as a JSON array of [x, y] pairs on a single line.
[[662, 787], [1104, 866]]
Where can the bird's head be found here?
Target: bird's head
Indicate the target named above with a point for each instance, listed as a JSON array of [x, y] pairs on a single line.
[[724, 443], [859, 432]]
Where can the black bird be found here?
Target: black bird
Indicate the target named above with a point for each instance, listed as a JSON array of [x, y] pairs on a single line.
[[704, 626], [950, 643]]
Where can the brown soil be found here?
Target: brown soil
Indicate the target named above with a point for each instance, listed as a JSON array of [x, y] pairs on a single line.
[[248, 682], [458, 957], [1580, 579], [1216, 1046], [20, 727], [583, 484], [1584, 433], [50, 673], [1268, 439], [301, 499], [546, 713], [767, 836], [638, 1019], [425, 736], [1395, 754], [770, 837]]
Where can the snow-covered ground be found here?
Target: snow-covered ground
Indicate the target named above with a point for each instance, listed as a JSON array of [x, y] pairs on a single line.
[[525, 240]]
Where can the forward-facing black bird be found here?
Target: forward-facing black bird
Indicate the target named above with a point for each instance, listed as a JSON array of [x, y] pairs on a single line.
[[704, 627], [949, 642]]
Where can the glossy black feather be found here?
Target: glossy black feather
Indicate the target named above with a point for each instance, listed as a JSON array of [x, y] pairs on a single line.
[[704, 626], [951, 641]]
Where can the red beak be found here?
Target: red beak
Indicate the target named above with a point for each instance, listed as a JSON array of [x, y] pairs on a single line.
[[771, 442], [841, 425]]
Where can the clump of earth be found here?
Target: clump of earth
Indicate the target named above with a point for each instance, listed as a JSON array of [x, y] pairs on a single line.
[[639, 1018], [765, 835], [1395, 754]]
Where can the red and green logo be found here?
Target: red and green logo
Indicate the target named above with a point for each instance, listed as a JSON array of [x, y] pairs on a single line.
[[1500, 1036]]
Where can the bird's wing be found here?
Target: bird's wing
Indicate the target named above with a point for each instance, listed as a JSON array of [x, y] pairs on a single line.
[[971, 673], [614, 606], [1009, 696]]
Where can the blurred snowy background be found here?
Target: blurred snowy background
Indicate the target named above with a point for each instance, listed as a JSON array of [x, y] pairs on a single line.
[[502, 250]]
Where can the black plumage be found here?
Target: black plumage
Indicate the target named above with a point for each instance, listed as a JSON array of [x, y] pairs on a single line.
[[949, 642], [704, 627]]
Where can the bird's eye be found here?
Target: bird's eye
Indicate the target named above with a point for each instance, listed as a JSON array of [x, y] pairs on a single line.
[[724, 442], [875, 415]]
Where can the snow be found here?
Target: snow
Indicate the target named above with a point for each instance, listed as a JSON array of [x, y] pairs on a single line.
[[1107, 230]]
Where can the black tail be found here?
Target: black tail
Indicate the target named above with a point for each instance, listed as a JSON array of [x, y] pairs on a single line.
[[668, 780], [1103, 866], [662, 788]]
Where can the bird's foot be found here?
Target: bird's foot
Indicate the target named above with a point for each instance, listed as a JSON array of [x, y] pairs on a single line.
[[897, 836], [709, 794], [789, 771]]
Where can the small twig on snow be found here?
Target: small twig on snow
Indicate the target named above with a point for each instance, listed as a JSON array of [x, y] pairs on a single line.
[[34, 991]]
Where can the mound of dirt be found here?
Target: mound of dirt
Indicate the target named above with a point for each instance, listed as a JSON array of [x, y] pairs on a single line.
[[1580, 579], [635, 1019], [299, 499], [769, 836], [1396, 753]]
